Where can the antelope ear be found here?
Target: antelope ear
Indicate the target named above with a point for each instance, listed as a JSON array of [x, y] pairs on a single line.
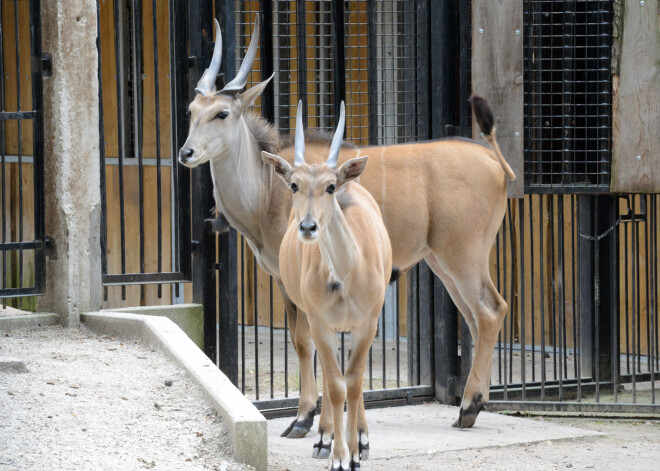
[[245, 99], [281, 166], [351, 169]]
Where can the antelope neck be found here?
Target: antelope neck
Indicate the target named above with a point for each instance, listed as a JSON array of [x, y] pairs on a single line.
[[238, 186]]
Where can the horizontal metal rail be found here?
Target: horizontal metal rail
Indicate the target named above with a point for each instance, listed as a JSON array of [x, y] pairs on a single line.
[[592, 408], [272, 408], [8, 115], [144, 278]]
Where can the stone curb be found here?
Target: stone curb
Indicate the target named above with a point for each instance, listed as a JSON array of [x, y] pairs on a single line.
[[28, 321], [247, 427]]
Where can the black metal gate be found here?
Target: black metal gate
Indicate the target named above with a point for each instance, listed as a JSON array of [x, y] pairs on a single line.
[[22, 239], [144, 95]]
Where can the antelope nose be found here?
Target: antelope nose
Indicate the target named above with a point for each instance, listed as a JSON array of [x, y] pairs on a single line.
[[185, 154], [307, 228]]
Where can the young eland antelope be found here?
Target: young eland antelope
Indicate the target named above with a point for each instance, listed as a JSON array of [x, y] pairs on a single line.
[[335, 262]]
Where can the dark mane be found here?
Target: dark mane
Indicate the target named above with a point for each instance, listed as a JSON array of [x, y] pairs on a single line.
[[265, 133], [270, 140]]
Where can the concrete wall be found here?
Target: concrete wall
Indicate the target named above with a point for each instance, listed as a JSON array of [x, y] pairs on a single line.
[[71, 120]]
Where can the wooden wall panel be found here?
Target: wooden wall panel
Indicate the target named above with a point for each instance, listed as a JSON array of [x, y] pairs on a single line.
[[636, 120], [17, 73], [497, 75]]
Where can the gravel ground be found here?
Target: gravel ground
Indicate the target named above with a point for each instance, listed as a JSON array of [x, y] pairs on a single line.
[[90, 402]]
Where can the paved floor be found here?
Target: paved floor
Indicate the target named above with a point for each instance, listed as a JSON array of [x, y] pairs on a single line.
[[417, 436]]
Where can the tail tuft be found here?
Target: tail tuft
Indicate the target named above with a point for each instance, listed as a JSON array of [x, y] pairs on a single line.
[[484, 117], [482, 114]]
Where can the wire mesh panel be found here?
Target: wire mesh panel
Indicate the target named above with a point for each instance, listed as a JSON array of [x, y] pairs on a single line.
[[568, 95], [22, 239], [144, 207]]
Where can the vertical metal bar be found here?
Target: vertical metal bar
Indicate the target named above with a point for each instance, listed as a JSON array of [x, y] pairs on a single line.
[[120, 68], [200, 16], [227, 245], [576, 351], [19, 146], [339, 55], [228, 305], [272, 332], [243, 353], [553, 307], [532, 278], [497, 271], [179, 99], [266, 59], [561, 334], [301, 39], [255, 296], [3, 149], [104, 190], [647, 283], [542, 293], [159, 205], [37, 140], [136, 45], [653, 260], [373, 75], [383, 336], [625, 289], [507, 319], [523, 310], [398, 336], [465, 47], [286, 355], [635, 299], [512, 286]]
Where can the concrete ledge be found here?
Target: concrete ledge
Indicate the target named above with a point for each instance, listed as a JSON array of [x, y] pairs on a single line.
[[246, 426], [28, 321], [190, 317]]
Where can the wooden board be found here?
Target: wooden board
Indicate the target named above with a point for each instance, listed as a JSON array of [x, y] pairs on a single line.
[[636, 120], [497, 75]]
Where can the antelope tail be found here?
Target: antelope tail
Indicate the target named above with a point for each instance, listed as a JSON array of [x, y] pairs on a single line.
[[484, 117]]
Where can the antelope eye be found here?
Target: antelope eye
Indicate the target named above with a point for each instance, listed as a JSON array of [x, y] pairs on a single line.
[[222, 115], [331, 188], [294, 187]]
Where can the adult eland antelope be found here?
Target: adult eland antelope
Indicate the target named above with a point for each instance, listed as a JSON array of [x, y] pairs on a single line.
[[335, 263], [441, 201]]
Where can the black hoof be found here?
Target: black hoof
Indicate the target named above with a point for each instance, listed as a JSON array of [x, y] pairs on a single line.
[[322, 450], [355, 466], [299, 428], [467, 417], [363, 448]]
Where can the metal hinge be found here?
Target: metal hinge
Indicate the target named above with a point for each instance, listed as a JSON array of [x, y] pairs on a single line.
[[47, 65]]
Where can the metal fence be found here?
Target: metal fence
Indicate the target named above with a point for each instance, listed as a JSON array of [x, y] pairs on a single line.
[[568, 95], [143, 95], [22, 204], [580, 274]]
